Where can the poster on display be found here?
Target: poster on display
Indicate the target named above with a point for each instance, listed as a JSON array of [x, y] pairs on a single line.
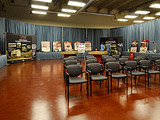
[[81, 48], [88, 46], [134, 46], [57, 46], [144, 46], [45, 45], [19, 47], [76, 44], [67, 45]]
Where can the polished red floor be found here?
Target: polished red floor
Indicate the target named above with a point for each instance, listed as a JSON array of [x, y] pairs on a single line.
[[35, 91]]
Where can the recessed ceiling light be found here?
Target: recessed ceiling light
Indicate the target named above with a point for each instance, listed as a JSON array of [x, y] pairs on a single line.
[[158, 13], [48, 1], [122, 20], [149, 18], [69, 10], [63, 15], [155, 5], [138, 21], [142, 12], [130, 16], [39, 12], [76, 3], [39, 7]]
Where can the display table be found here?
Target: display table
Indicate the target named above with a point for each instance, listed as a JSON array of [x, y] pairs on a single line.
[[3, 60], [68, 53], [49, 55], [148, 55], [98, 54]]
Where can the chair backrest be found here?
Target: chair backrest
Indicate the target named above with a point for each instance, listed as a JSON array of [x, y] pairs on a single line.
[[91, 61], [154, 58], [123, 60], [70, 62], [131, 64], [95, 68], [145, 63], [158, 62], [137, 59], [74, 70], [89, 58], [114, 66], [65, 59], [110, 60], [75, 57], [116, 56], [107, 57], [125, 57]]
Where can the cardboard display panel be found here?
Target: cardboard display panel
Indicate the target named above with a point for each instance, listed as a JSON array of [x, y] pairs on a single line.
[[67, 45], [81, 48], [134, 46], [45, 46], [57, 46], [76, 44], [88, 46], [144, 46]]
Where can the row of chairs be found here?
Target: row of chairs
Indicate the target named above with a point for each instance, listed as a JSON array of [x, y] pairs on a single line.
[[94, 71]]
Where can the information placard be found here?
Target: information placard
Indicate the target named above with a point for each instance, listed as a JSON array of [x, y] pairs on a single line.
[[81, 48], [57, 46], [134, 46], [88, 46], [76, 44], [144, 46], [45, 45], [67, 45]]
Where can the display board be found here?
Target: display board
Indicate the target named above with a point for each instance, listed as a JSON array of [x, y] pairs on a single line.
[[88, 46], [76, 44], [81, 48], [57, 46], [20, 47], [67, 45], [45, 46], [144, 46], [134, 46]]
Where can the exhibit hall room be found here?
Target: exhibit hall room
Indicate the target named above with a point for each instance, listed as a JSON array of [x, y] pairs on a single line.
[[79, 59]]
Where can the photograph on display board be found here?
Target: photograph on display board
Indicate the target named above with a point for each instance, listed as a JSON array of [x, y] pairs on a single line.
[[45, 46], [81, 48], [88, 46], [144, 46], [76, 44], [134, 46], [67, 45], [57, 46]]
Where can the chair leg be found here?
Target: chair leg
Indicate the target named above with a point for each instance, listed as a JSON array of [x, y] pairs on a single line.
[[148, 79], [111, 83], [100, 84], [118, 82], [108, 86], [81, 88], [90, 87], [155, 77], [87, 90], [145, 80], [127, 84], [135, 78], [68, 93], [131, 80]]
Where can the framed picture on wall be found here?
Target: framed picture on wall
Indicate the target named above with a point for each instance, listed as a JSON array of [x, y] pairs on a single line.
[[45, 45]]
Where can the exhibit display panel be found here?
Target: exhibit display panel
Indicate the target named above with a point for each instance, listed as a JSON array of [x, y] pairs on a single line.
[[76, 45], [20, 47], [45, 46], [57, 46], [88, 46], [144, 46], [67, 45], [134, 46]]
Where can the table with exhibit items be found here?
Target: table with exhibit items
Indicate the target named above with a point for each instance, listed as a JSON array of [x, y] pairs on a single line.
[[68, 53], [98, 54]]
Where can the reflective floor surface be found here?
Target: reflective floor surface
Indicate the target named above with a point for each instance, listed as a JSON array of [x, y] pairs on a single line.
[[35, 91]]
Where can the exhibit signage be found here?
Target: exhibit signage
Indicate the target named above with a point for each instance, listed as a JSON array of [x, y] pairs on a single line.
[[144, 46], [134, 46], [88, 46], [45, 45], [67, 45], [81, 48], [57, 46], [76, 44]]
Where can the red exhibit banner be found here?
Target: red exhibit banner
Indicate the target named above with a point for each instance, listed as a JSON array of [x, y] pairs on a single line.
[[76, 44], [134, 46], [144, 46], [57, 46], [88, 46], [67, 45], [131, 55], [45, 46]]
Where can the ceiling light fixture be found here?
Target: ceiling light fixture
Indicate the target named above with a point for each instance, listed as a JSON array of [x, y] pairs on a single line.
[[69, 10], [149, 18], [130, 16], [39, 7], [76, 3], [39, 12], [138, 21], [158, 13], [122, 20], [63, 15], [48, 1], [155, 5], [142, 12]]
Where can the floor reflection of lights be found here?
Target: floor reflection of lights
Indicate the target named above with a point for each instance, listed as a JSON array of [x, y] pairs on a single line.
[[41, 110]]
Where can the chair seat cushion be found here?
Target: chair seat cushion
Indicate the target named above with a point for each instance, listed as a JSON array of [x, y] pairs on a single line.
[[98, 77], [118, 75], [137, 73], [153, 72], [77, 80]]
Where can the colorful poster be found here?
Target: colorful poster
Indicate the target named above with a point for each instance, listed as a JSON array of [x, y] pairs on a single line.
[[134, 46], [45, 45], [81, 48], [67, 45], [88, 46], [57, 46], [144, 46], [76, 44]]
